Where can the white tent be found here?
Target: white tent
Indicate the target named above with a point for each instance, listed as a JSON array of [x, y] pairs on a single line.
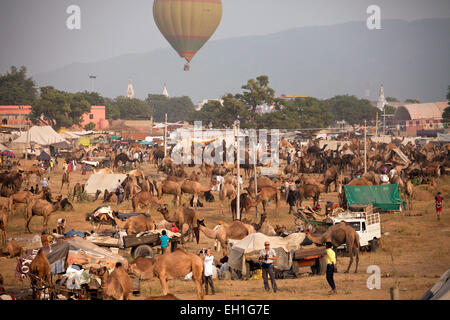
[[100, 181], [40, 135], [252, 244]]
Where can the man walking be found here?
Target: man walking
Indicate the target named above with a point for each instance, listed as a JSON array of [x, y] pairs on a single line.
[[438, 201], [331, 267], [119, 193], [208, 267], [268, 256], [164, 242]]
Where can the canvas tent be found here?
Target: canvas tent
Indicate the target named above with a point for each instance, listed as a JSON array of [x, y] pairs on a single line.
[[64, 254], [99, 181], [40, 135], [385, 196], [440, 290], [251, 245], [43, 156]]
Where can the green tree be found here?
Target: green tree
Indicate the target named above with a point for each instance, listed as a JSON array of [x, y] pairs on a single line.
[[94, 98], [16, 88], [446, 113], [389, 109], [391, 99], [412, 101], [256, 93], [58, 108], [112, 111], [90, 126], [351, 109], [132, 109], [177, 108]]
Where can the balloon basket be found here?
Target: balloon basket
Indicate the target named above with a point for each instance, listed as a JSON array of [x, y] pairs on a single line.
[[187, 67]]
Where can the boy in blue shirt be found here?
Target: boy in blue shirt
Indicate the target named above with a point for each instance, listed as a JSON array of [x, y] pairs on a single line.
[[164, 242]]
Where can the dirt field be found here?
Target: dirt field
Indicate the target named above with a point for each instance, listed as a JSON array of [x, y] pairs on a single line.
[[414, 254]]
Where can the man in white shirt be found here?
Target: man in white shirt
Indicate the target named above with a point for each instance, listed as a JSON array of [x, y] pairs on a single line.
[[208, 270]]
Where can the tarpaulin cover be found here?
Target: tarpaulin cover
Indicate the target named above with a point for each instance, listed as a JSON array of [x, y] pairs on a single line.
[[74, 250], [385, 196]]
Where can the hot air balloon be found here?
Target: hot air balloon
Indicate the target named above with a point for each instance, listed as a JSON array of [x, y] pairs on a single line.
[[187, 24]]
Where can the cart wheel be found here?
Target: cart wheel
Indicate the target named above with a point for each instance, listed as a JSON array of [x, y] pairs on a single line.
[[143, 251], [373, 245], [321, 264]]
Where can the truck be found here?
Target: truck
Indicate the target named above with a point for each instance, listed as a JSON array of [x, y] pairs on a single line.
[[366, 222]]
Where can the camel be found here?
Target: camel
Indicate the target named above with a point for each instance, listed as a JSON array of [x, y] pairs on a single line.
[[308, 191], [130, 187], [117, 285], [269, 193], [245, 203], [169, 187], [144, 198], [65, 179], [183, 215], [227, 191], [195, 188], [103, 171], [170, 266], [12, 249], [3, 223], [261, 182], [39, 273], [234, 230], [136, 224], [77, 190], [122, 158], [42, 208], [32, 170], [409, 194], [339, 234], [6, 203], [263, 226]]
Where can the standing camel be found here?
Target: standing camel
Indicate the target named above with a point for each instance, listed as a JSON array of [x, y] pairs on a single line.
[[65, 179], [183, 215], [409, 194], [339, 234], [41, 208], [169, 187], [234, 230], [170, 266], [144, 198], [195, 188], [3, 223]]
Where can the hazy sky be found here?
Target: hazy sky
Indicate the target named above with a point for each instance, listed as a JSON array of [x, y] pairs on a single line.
[[34, 33]]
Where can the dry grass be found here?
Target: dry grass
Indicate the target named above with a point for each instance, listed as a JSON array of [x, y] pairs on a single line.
[[413, 255]]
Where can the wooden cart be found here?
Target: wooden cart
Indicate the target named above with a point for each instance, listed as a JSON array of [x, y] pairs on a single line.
[[311, 257]]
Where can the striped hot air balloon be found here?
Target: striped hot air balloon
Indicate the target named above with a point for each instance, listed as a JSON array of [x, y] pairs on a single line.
[[187, 24]]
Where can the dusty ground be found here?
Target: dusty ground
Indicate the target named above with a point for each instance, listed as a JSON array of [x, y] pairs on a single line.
[[414, 254]]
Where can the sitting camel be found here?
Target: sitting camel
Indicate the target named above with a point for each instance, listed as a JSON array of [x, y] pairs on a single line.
[[339, 234], [145, 199], [136, 224], [117, 285], [170, 266], [236, 230]]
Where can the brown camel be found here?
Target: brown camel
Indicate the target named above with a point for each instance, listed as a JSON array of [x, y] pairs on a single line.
[[195, 188], [169, 187], [145, 199], [173, 265], [409, 194], [227, 191], [39, 273], [6, 203], [3, 223], [236, 230], [136, 224], [269, 193], [12, 249], [65, 179], [41, 208], [183, 215], [117, 285], [308, 191], [339, 234]]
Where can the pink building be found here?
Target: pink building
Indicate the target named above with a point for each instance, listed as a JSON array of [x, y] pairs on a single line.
[[96, 116], [15, 115]]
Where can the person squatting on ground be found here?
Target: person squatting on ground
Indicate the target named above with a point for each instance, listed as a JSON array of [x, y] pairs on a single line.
[[331, 267], [268, 255], [438, 202], [208, 270]]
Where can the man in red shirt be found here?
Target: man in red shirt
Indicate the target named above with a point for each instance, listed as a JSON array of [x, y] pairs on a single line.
[[438, 201]]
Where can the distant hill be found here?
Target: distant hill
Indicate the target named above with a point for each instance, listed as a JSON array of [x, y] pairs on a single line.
[[411, 59]]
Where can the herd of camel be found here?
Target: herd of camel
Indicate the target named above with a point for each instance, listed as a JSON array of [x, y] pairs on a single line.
[[316, 168]]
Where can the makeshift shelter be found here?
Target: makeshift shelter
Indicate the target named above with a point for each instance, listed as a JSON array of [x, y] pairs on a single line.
[[251, 245], [440, 290], [385, 196], [68, 252], [85, 141], [99, 181], [40, 135], [43, 156]]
